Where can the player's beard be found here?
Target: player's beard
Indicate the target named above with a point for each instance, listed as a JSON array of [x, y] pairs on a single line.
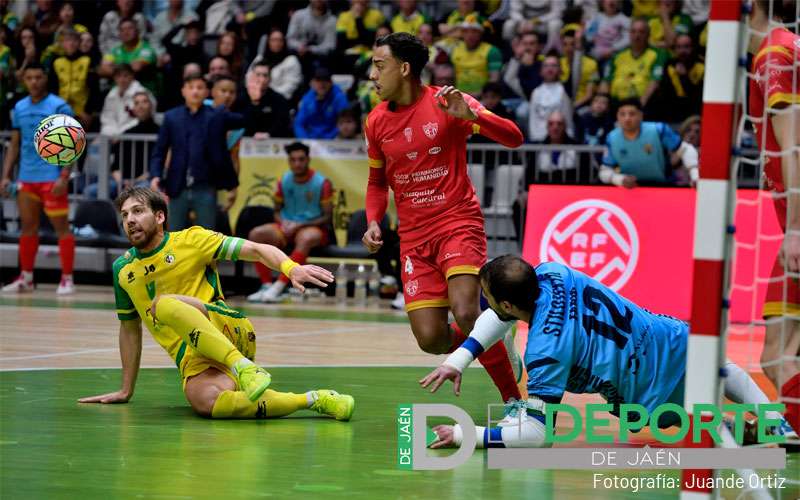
[[144, 238]]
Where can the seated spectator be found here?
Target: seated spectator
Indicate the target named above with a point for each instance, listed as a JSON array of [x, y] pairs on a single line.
[[319, 108], [564, 162], [43, 18], [523, 72], [229, 47], [66, 18], [181, 51], [131, 157], [644, 8], [579, 72], [443, 74], [348, 125], [266, 112], [409, 19], [698, 10], [132, 51], [8, 16], [638, 152], [476, 62], [87, 47], [681, 89], [312, 33], [668, 24], [545, 14], [593, 123], [109, 36], [286, 72], [492, 100], [218, 66], [548, 97], [117, 108], [72, 79], [635, 71], [355, 30], [26, 52], [608, 31], [174, 15], [436, 54], [303, 214]]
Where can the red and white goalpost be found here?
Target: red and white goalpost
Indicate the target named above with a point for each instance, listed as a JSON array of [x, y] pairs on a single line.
[[724, 121]]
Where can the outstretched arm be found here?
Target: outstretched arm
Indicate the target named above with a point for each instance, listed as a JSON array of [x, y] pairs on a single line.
[[478, 119], [130, 351], [274, 258]]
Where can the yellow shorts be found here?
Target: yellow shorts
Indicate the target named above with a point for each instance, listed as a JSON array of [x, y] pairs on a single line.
[[235, 326]]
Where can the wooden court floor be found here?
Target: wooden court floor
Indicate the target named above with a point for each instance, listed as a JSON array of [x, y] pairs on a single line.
[[54, 350]]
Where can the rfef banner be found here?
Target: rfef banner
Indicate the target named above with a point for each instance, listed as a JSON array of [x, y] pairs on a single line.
[[264, 161], [639, 242]]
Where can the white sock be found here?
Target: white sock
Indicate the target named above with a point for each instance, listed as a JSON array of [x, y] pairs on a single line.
[[27, 276], [311, 398], [66, 277], [278, 286], [741, 388]]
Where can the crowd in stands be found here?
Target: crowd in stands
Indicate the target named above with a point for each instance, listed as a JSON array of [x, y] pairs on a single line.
[[560, 69]]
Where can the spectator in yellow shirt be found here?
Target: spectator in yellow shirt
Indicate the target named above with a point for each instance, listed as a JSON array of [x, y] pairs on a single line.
[[409, 19], [579, 72], [476, 62]]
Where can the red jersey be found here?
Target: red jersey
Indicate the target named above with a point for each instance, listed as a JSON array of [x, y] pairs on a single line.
[[420, 152], [776, 69]]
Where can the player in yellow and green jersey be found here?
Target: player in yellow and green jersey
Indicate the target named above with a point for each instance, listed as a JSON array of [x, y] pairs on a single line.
[[169, 282]]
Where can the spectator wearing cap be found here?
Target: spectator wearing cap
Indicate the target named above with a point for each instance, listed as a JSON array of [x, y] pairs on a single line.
[[117, 114], [475, 61], [548, 97], [266, 112], [450, 27], [637, 70], [319, 108], [579, 72], [639, 152]]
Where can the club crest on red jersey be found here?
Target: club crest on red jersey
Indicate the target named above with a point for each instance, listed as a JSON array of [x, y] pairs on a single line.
[[431, 129]]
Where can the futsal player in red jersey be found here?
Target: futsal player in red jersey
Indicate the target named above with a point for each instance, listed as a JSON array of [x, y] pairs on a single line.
[[416, 143], [774, 96]]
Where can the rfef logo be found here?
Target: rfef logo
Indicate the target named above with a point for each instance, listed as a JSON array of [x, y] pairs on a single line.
[[595, 237]]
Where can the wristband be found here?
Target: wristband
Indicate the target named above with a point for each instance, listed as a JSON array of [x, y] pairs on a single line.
[[287, 266]]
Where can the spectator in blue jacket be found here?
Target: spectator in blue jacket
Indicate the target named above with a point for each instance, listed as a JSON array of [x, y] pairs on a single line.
[[320, 108], [200, 163]]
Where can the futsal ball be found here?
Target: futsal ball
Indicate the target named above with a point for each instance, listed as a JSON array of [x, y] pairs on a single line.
[[59, 140]]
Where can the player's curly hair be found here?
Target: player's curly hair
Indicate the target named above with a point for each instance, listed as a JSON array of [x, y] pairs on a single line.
[[511, 279], [407, 48], [150, 197]]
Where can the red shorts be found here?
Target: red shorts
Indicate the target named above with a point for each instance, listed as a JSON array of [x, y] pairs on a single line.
[[427, 266], [783, 292], [54, 206]]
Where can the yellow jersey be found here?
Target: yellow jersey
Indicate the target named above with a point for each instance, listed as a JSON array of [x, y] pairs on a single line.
[[629, 76], [183, 264], [473, 66], [403, 24], [589, 74]]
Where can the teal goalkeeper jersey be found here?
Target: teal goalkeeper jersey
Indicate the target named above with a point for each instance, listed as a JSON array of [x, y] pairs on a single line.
[[586, 338]]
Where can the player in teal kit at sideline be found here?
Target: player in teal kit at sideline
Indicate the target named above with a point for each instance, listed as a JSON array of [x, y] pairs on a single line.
[[583, 338]]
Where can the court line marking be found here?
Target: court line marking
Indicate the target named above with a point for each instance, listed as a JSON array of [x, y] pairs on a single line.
[[307, 333], [365, 365]]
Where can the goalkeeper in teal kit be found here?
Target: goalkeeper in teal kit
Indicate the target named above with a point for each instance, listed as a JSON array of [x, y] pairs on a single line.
[[583, 338]]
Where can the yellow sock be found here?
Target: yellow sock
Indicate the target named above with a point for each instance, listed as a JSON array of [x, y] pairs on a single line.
[[234, 404], [197, 331]]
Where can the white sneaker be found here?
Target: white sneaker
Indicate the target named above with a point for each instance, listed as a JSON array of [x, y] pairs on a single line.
[[19, 285], [513, 353], [399, 302], [66, 286], [258, 295], [273, 293]]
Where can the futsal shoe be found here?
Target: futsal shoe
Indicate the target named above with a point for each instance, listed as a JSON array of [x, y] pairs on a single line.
[[66, 286], [19, 285], [338, 406], [253, 379], [259, 295], [399, 302], [273, 294], [513, 353]]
